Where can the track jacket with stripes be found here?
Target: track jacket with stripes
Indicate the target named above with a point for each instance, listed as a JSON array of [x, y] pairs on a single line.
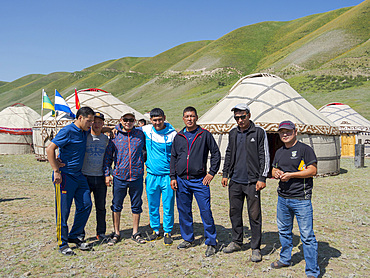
[[258, 160], [126, 151], [191, 163]]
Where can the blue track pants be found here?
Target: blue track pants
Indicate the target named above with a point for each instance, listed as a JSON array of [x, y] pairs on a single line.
[[184, 199], [73, 187], [155, 186]]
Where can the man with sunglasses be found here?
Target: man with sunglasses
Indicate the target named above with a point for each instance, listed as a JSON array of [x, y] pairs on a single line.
[[295, 165], [126, 151], [246, 165]]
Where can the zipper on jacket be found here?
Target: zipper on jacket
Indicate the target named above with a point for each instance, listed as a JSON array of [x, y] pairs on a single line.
[[187, 157], [129, 153]]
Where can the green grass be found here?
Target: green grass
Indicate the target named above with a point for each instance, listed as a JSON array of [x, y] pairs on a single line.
[[28, 242]]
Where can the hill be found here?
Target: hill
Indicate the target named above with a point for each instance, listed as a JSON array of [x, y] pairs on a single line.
[[324, 57]]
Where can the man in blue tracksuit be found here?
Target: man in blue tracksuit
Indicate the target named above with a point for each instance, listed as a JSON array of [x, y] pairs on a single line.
[[70, 183], [159, 137], [188, 172]]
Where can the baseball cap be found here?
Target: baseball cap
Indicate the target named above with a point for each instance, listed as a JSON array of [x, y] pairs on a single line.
[[128, 112], [286, 125], [99, 115], [242, 107]]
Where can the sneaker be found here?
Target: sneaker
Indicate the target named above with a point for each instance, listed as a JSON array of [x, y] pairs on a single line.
[[256, 255], [168, 239], [102, 237], [80, 244], [154, 236], [211, 250], [232, 247], [66, 251], [185, 244]]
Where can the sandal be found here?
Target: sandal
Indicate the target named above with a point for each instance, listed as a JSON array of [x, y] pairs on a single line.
[[138, 238], [115, 238], [278, 264], [66, 251]]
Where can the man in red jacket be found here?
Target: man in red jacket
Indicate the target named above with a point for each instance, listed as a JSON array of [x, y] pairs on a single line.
[[126, 150]]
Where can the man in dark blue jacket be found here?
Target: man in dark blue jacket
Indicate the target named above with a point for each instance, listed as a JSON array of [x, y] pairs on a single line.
[[188, 172], [246, 165]]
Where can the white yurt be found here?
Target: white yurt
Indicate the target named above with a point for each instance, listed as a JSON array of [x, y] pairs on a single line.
[[99, 100], [272, 100], [354, 128], [16, 124]]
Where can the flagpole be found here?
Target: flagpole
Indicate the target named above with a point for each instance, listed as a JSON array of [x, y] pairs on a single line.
[[42, 122]]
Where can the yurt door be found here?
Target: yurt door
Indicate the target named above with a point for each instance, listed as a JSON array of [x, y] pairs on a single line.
[[348, 142]]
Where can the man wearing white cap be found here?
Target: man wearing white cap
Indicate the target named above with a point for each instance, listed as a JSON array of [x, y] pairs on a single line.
[[126, 150], [295, 165], [246, 164]]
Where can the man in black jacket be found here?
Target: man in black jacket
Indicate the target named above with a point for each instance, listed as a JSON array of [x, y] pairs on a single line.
[[188, 172], [247, 165]]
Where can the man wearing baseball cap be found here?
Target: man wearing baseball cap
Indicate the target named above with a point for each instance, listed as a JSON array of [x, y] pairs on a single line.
[[247, 163], [126, 150], [294, 165]]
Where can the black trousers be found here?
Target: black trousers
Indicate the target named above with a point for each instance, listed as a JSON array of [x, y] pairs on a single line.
[[237, 193], [99, 190]]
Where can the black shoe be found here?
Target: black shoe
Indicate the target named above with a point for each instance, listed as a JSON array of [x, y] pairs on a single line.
[[66, 251], [102, 237], [154, 236], [82, 245], [256, 256], [211, 250], [167, 239], [232, 247], [185, 244]]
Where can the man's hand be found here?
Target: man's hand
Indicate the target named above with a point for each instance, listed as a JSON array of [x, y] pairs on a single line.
[[207, 179], [174, 184], [108, 181], [278, 174], [260, 185], [224, 182], [285, 176], [57, 177]]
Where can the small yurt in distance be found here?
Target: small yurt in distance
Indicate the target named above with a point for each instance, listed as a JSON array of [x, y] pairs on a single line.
[[354, 128], [272, 100], [16, 124], [99, 100]]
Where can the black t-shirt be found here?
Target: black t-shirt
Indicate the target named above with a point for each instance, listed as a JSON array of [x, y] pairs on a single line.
[[295, 159]]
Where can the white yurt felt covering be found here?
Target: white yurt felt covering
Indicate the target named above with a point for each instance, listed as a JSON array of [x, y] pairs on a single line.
[[349, 122], [16, 129], [97, 99], [272, 100]]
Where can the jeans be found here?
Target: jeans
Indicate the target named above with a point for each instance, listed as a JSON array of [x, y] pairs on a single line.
[[237, 193], [99, 189], [135, 190], [302, 209]]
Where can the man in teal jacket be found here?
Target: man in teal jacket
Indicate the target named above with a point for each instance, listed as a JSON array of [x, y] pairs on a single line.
[[159, 136]]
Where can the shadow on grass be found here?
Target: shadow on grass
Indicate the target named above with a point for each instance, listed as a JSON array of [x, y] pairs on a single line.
[[13, 199]]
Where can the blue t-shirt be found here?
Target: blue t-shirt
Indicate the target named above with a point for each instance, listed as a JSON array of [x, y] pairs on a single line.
[[71, 142], [190, 135]]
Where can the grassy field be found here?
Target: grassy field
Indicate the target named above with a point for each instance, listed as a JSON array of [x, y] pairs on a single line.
[[28, 242]]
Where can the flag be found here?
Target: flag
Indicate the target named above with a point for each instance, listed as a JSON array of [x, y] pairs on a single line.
[[46, 102], [78, 106], [61, 104]]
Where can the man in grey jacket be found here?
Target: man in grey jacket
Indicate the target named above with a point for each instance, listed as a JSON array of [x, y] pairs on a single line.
[[246, 165]]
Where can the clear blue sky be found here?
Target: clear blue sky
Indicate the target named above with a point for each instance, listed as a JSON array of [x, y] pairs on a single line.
[[44, 36]]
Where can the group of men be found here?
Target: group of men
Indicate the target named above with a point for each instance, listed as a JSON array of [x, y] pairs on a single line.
[[176, 164]]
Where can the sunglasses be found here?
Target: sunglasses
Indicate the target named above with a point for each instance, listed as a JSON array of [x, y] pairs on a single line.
[[131, 120], [237, 118]]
